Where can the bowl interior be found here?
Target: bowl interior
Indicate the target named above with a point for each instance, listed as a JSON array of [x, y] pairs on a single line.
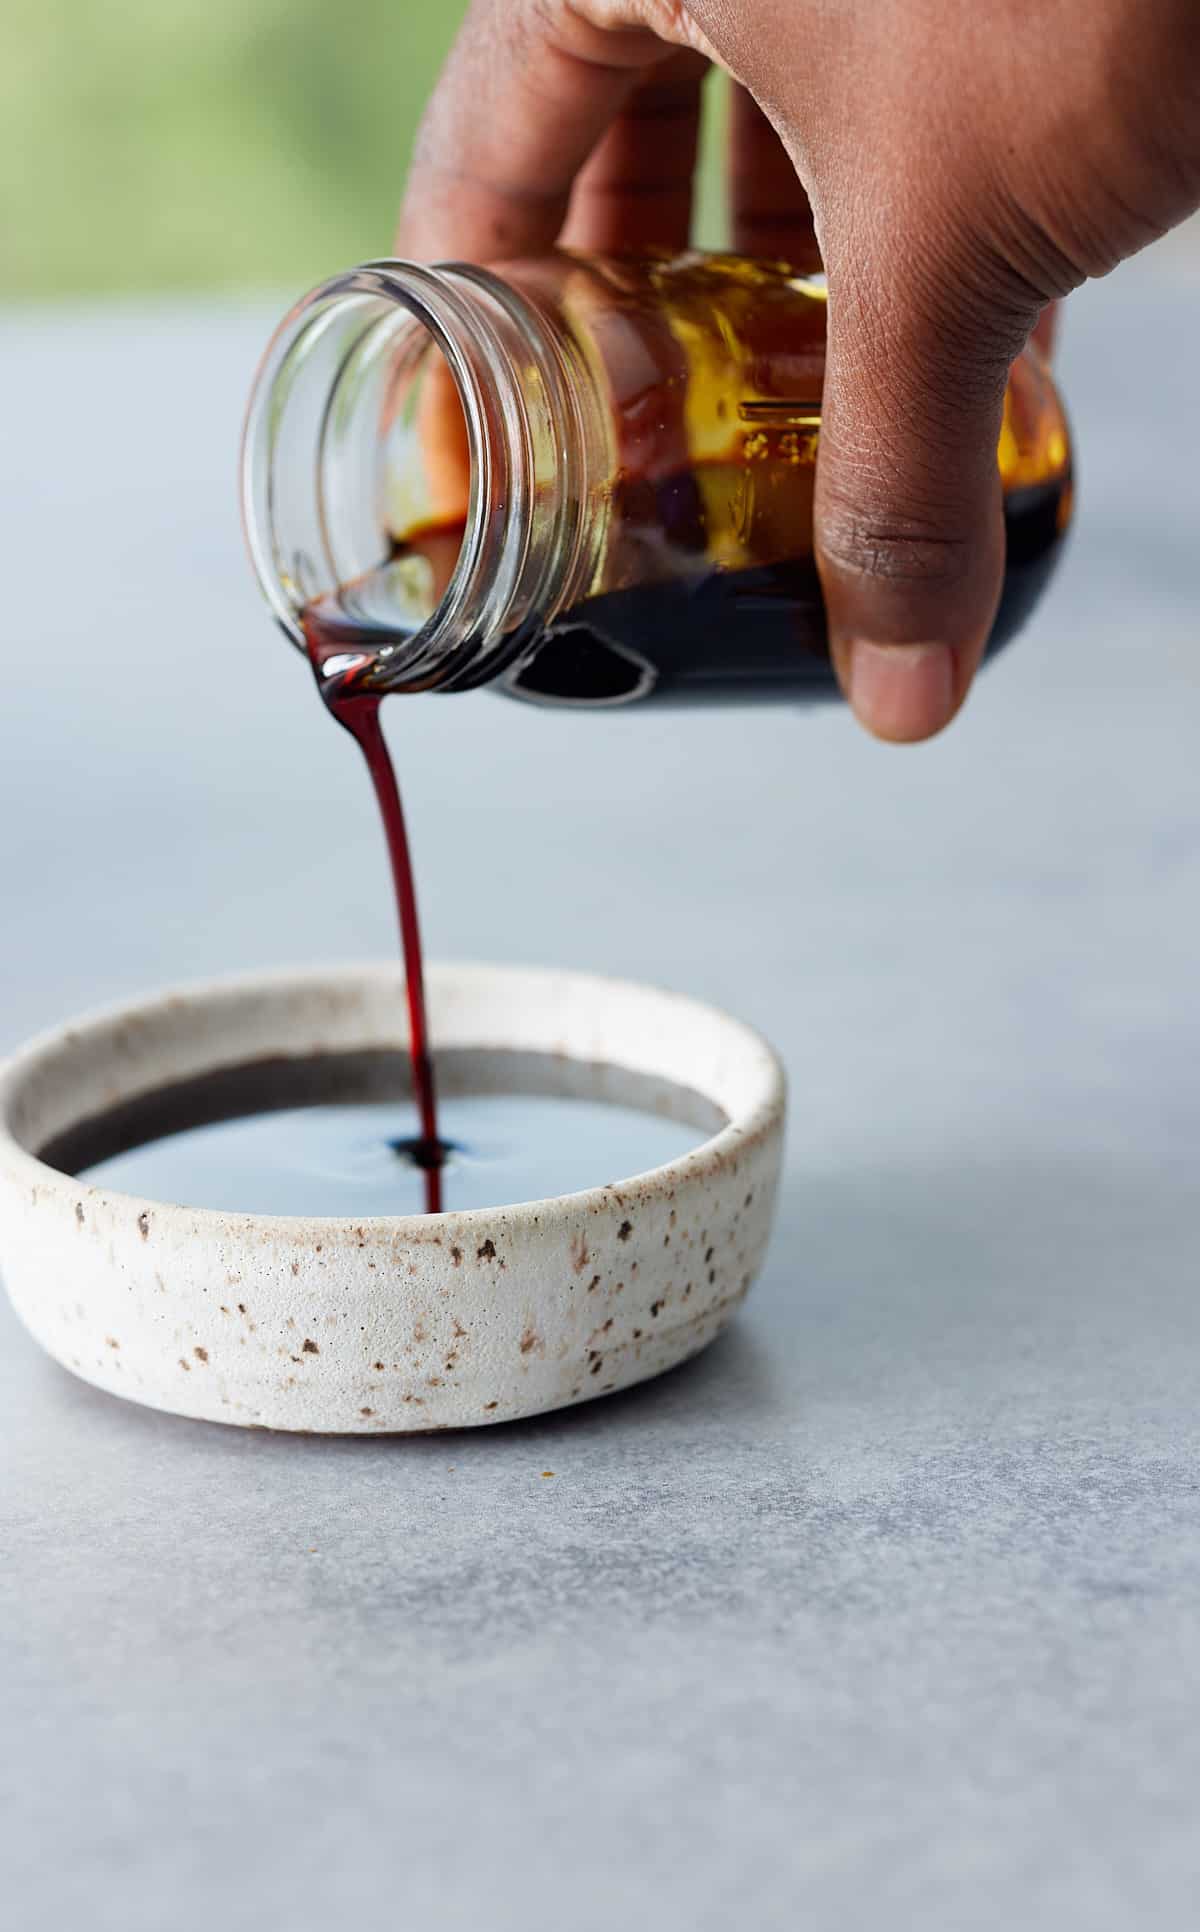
[[336, 1133], [112, 1083]]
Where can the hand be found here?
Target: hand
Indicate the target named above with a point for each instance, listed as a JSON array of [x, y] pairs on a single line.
[[956, 168]]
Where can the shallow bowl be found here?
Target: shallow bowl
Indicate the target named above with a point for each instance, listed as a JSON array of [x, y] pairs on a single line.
[[406, 1322]]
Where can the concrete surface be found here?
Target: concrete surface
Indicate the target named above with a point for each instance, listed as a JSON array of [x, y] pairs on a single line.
[[885, 1612]]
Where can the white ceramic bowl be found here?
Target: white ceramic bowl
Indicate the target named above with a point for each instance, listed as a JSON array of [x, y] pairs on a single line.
[[406, 1322]]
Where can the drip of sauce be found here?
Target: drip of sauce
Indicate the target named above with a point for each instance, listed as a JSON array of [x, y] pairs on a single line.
[[357, 712]]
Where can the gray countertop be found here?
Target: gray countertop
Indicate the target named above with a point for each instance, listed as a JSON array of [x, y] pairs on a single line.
[[887, 1610]]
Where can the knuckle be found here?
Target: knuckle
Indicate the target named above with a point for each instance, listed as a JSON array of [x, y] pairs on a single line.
[[883, 546], [535, 19]]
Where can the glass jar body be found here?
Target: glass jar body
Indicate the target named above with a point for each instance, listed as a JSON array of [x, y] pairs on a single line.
[[649, 458]]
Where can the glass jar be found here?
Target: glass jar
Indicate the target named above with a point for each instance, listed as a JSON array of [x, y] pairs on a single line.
[[584, 481]]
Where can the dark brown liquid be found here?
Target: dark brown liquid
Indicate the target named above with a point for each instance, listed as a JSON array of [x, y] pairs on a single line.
[[316, 1134], [754, 633], [358, 713]]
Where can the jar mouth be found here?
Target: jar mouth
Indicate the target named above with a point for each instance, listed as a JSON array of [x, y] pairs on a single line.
[[323, 505]]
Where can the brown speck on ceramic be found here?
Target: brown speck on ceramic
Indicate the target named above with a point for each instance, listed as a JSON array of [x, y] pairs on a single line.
[[310, 1347], [579, 1254], [201, 1354], [143, 1222], [110, 1341], [366, 1412], [377, 1366], [530, 1340], [487, 1251], [625, 1230], [79, 1213], [185, 1365]]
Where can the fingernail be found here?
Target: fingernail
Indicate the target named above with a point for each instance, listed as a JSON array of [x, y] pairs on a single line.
[[901, 691]]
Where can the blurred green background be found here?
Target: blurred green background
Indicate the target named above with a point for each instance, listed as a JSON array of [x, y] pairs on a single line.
[[185, 144], [171, 144]]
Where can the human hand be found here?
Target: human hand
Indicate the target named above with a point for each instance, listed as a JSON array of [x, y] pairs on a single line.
[[954, 169]]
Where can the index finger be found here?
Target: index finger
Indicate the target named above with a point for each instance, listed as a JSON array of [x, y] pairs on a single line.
[[525, 95]]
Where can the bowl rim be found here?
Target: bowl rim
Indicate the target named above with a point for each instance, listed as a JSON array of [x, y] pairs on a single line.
[[753, 1122]]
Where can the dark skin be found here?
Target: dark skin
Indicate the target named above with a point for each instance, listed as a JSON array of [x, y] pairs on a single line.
[[955, 168]]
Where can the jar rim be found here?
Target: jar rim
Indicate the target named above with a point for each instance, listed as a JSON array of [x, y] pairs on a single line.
[[428, 295]]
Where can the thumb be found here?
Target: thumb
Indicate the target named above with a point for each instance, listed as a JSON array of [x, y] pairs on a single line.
[[909, 523]]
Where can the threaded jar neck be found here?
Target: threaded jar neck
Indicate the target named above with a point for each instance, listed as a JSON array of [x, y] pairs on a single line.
[[346, 438]]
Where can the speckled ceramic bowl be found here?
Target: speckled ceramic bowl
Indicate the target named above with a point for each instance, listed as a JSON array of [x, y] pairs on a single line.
[[393, 1323]]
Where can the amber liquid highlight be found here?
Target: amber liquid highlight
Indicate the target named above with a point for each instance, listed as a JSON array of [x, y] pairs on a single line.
[[698, 581]]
